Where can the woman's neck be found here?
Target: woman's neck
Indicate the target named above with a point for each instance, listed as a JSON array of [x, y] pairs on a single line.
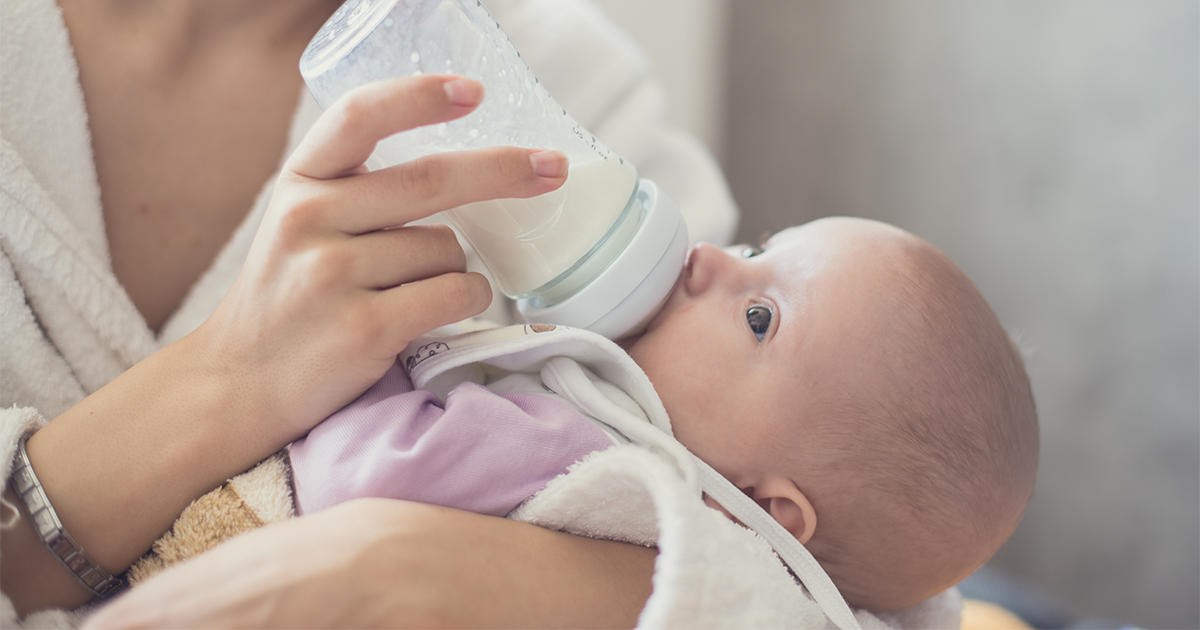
[[180, 30]]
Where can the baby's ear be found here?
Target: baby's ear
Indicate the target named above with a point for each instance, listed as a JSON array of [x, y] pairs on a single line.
[[784, 501]]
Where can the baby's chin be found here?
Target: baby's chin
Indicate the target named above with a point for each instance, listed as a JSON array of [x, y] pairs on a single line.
[[632, 346], [631, 338], [627, 342]]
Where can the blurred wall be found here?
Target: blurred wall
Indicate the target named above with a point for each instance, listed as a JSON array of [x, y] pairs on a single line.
[[686, 41], [1051, 148]]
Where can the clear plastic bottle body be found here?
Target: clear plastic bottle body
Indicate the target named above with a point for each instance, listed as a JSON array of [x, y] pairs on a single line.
[[542, 248]]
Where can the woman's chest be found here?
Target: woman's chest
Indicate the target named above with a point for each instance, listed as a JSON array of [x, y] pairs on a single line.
[[180, 161]]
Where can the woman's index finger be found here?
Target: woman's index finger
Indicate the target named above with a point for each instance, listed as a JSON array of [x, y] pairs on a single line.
[[345, 136]]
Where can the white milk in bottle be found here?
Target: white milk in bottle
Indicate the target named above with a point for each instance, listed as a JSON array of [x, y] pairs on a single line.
[[527, 243]]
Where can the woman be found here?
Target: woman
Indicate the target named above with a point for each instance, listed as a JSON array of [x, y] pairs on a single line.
[[189, 106]]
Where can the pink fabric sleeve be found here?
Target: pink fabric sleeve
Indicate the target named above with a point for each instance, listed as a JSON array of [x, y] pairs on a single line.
[[483, 452]]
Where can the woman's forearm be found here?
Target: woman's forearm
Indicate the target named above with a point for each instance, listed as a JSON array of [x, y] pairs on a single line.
[[514, 575], [383, 563], [122, 464]]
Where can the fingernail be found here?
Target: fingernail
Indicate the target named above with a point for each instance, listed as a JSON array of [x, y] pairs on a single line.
[[547, 163], [464, 92]]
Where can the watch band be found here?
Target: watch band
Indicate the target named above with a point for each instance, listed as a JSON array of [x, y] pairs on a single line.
[[50, 528]]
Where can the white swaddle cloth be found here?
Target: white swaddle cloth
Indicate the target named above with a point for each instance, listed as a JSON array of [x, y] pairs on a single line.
[[603, 382]]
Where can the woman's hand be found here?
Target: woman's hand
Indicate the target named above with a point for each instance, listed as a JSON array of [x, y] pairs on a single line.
[[336, 284], [334, 287], [381, 563]]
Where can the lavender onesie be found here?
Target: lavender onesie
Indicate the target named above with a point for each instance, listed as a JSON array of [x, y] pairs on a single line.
[[481, 451]]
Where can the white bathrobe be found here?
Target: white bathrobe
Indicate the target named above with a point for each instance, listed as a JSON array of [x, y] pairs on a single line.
[[69, 327]]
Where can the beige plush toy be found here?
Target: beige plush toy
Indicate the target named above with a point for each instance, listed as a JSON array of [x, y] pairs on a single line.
[[252, 499]]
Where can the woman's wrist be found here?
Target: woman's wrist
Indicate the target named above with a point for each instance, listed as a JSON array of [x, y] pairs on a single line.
[[40, 511], [30, 575], [123, 463], [120, 466]]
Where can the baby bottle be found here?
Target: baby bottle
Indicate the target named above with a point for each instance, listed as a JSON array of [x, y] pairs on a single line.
[[602, 252]]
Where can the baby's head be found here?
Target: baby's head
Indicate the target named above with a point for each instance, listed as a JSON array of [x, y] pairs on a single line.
[[852, 381]]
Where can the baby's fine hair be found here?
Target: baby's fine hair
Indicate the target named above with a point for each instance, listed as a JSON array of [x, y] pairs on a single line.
[[934, 470]]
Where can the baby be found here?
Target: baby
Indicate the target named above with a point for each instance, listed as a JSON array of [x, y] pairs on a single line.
[[846, 376]]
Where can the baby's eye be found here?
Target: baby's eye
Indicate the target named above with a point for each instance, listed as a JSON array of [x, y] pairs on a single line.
[[759, 318], [751, 251]]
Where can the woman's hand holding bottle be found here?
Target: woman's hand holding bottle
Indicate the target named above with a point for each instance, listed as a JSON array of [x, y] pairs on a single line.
[[337, 283]]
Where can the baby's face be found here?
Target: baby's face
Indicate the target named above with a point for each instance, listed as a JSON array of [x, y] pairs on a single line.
[[777, 368], [746, 346]]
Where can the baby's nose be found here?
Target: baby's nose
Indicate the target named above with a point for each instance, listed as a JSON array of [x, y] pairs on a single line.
[[706, 265]]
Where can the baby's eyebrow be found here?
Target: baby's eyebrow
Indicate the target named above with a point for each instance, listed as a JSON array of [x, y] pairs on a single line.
[[762, 240]]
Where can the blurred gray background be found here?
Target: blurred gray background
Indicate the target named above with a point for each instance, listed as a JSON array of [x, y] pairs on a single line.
[[1052, 148]]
